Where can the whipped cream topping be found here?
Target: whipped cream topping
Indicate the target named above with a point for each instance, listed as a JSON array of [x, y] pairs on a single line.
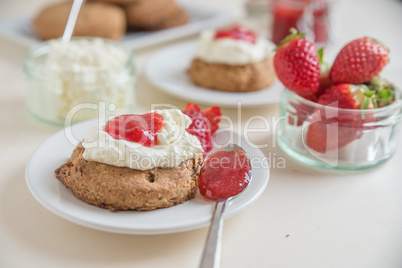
[[175, 145], [231, 51]]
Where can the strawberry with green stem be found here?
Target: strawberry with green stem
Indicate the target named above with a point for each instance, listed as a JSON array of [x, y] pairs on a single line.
[[302, 111], [297, 65]]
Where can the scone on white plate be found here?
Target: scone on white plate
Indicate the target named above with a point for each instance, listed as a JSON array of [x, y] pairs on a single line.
[[233, 59]]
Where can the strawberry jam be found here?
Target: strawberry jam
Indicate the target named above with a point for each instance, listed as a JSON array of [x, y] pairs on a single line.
[[142, 129], [236, 32], [224, 174]]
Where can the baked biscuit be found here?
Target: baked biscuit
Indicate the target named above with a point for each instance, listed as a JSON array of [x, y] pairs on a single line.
[[120, 188], [154, 14], [94, 19], [234, 78]]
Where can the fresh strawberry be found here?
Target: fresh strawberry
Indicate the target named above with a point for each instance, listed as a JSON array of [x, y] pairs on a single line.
[[331, 128], [301, 111], [324, 84], [326, 133], [200, 127], [213, 114], [297, 65], [359, 61]]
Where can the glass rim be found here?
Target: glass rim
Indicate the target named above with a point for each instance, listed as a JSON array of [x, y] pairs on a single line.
[[395, 105]]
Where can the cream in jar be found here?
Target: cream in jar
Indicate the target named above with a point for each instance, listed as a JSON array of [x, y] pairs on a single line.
[[74, 78]]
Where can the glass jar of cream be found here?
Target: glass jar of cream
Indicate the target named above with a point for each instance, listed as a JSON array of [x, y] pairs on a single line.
[[78, 80]]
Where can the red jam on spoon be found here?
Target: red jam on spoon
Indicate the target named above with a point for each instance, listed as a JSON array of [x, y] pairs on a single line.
[[142, 129], [236, 32], [224, 174]]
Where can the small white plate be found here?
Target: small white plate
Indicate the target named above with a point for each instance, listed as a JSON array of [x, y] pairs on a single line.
[[195, 213], [167, 70], [21, 31]]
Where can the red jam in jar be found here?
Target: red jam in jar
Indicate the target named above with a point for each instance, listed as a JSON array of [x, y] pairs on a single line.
[[236, 32], [321, 23], [224, 174], [292, 14], [142, 129], [286, 14]]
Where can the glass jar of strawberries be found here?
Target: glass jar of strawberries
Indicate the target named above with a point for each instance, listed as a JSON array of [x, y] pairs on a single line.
[[343, 116], [331, 137]]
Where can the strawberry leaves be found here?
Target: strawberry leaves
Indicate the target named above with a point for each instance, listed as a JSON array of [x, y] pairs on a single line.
[[369, 99], [384, 92]]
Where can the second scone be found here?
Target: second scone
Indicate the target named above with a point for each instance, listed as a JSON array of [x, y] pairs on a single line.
[[232, 59], [95, 19], [154, 14]]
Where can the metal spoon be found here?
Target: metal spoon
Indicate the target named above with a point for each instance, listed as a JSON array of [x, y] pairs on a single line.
[[72, 19], [212, 249]]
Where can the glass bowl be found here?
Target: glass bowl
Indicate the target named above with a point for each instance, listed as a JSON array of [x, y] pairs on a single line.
[[344, 139], [64, 92]]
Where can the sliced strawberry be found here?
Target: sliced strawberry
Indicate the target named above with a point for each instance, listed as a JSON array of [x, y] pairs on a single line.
[[236, 32], [359, 61], [297, 65], [213, 114], [200, 127], [142, 129]]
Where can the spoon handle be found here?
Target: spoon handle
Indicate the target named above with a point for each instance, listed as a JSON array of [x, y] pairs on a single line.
[[72, 18], [211, 255]]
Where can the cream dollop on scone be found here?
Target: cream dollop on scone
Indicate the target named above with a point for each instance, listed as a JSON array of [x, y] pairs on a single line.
[[233, 59], [140, 162], [174, 145]]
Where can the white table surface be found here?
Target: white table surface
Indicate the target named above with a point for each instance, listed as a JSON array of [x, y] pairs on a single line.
[[305, 218]]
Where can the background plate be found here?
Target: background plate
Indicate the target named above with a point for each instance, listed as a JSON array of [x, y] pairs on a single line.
[[54, 196], [167, 70], [21, 31]]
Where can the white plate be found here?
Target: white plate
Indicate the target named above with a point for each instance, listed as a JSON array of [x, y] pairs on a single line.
[[54, 196], [21, 31], [167, 70]]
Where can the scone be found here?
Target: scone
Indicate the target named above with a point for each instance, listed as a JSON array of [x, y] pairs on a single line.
[[95, 19], [136, 162], [122, 188], [232, 59], [154, 14]]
